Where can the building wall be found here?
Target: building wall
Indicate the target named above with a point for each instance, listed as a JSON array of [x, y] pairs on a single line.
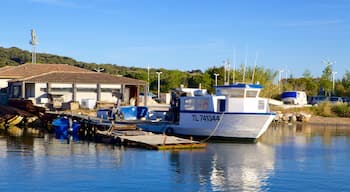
[[63, 89], [83, 92], [40, 92], [3, 83], [86, 91], [107, 90]]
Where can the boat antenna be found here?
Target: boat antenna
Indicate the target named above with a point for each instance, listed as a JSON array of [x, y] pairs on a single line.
[[245, 63], [234, 66], [33, 41], [224, 72], [256, 58], [228, 72]]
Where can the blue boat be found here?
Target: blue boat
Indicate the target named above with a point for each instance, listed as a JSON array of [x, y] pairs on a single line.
[[65, 127], [124, 113]]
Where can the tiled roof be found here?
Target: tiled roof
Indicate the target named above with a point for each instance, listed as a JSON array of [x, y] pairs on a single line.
[[81, 77], [6, 68], [28, 70]]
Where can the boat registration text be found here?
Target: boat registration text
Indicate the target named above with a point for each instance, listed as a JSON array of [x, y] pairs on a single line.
[[205, 117]]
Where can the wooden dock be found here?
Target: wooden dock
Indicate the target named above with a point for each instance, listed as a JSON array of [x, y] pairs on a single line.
[[127, 134], [161, 142], [138, 138]]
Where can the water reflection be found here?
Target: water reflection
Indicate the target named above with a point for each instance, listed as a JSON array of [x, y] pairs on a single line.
[[277, 157], [226, 166], [304, 133]]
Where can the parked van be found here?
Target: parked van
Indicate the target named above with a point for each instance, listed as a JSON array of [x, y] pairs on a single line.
[[294, 97]]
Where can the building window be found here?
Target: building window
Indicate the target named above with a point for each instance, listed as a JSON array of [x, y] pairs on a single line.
[[30, 90], [16, 91]]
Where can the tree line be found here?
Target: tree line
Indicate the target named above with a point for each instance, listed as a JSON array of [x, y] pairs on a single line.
[[169, 79]]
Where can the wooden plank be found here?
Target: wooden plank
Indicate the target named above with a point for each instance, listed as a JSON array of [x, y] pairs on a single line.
[[182, 146], [155, 139]]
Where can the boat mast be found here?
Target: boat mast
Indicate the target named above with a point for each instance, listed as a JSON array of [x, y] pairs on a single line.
[[245, 63], [234, 66], [256, 58]]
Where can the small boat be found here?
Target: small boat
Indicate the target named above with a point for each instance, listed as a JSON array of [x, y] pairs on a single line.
[[15, 120], [235, 112], [66, 127], [128, 113]]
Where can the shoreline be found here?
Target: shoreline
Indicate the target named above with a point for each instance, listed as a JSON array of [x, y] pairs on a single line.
[[329, 120]]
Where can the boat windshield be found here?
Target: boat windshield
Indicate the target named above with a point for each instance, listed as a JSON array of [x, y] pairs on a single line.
[[233, 92], [239, 93]]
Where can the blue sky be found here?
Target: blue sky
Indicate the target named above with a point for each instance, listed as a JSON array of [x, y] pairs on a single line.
[[287, 35]]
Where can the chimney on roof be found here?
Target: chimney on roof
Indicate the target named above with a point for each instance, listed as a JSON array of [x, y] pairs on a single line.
[[33, 42]]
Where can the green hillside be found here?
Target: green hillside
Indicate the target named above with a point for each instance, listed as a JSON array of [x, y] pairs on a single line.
[[196, 78]]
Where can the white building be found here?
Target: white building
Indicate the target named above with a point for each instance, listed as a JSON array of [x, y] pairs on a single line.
[[43, 83]]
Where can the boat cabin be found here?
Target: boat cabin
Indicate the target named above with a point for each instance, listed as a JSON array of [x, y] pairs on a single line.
[[237, 98]]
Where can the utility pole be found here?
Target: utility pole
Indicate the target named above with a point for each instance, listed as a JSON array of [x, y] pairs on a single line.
[[333, 80], [33, 42], [216, 79], [158, 73], [279, 81]]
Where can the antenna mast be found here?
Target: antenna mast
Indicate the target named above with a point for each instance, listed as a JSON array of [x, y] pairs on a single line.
[[33, 42], [228, 72], [245, 63], [234, 67], [256, 58]]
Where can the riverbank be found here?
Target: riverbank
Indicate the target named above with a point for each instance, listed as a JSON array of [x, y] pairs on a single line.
[[329, 120]]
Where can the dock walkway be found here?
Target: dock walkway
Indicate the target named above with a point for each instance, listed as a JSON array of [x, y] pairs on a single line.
[[126, 133]]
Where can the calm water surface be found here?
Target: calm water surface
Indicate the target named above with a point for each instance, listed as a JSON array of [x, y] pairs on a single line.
[[288, 158]]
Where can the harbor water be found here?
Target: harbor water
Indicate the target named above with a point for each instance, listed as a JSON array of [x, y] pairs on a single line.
[[287, 158]]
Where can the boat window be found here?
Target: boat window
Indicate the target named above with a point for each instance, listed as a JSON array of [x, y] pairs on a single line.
[[252, 93], [189, 104], [233, 92], [198, 104]]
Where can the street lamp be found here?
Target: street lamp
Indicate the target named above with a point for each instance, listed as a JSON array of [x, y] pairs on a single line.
[[279, 80], [216, 78], [147, 79], [333, 79], [158, 73]]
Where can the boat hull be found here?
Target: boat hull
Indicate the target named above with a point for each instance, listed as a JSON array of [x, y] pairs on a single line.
[[14, 120], [222, 126]]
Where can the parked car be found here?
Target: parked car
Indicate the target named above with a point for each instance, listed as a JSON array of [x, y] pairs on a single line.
[[346, 99], [314, 100], [335, 99]]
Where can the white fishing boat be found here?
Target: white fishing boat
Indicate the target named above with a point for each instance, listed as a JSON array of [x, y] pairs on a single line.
[[235, 112]]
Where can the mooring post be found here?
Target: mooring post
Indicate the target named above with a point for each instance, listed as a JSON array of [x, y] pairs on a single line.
[[164, 138]]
